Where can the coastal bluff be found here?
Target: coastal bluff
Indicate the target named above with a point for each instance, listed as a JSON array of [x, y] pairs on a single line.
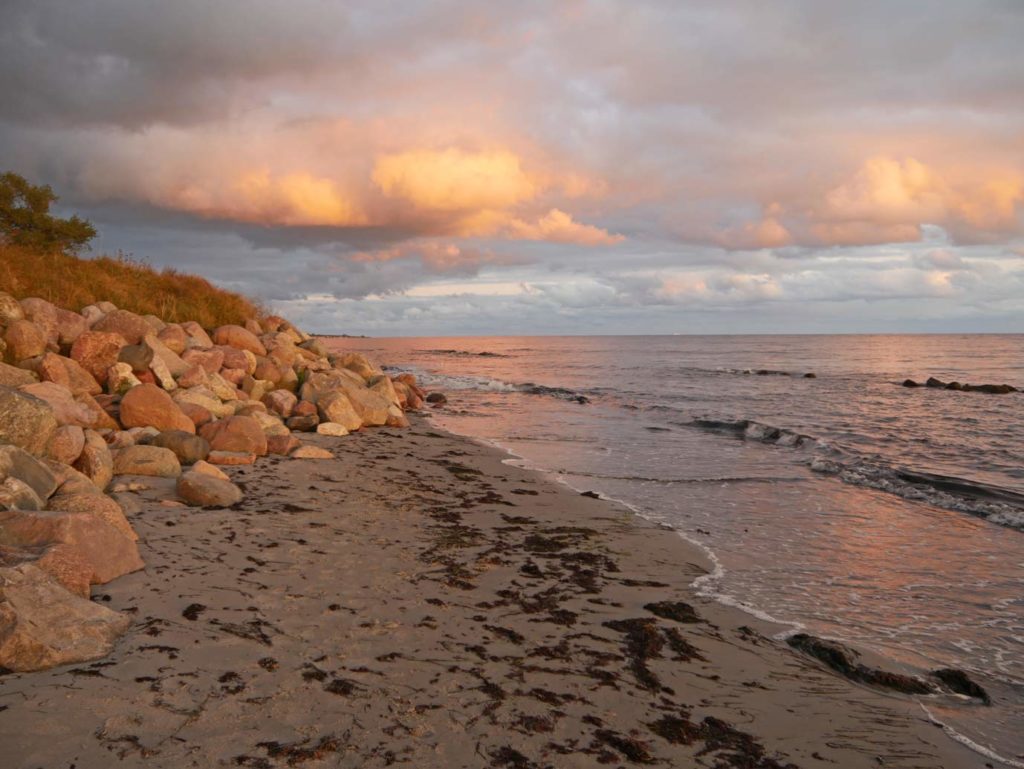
[[103, 401]]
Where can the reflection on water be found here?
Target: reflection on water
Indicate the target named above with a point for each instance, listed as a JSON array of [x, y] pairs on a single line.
[[799, 486]]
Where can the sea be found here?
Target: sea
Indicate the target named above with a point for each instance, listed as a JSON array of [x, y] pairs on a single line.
[[829, 497]]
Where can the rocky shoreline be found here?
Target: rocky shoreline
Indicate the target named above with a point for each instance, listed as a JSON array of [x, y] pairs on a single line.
[[88, 399]]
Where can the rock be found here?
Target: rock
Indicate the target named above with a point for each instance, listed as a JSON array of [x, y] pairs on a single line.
[[252, 325], [843, 660], [281, 402], [43, 625], [24, 340], [66, 372], [271, 424], [18, 495], [109, 552], [336, 406], [170, 359], [121, 378], [304, 409], [234, 358], [383, 386], [70, 326], [147, 460], [311, 452], [25, 421], [223, 389], [197, 335], [162, 374], [65, 408], [155, 323], [101, 506], [43, 314], [437, 399], [189, 448], [239, 338], [197, 414], [131, 327], [282, 445], [106, 307], [910, 383], [206, 468], [211, 360], [303, 424], [933, 382], [231, 458], [148, 405], [236, 433], [201, 396], [138, 356], [992, 389], [96, 462], [396, 417], [332, 428], [67, 443], [956, 386], [958, 681], [62, 562], [203, 490], [92, 314], [810, 375], [12, 376], [174, 338], [17, 463], [193, 376], [10, 310], [353, 361], [97, 351]]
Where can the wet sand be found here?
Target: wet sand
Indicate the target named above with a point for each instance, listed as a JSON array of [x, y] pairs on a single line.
[[418, 602]]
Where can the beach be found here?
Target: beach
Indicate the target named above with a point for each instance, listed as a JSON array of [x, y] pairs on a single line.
[[419, 601]]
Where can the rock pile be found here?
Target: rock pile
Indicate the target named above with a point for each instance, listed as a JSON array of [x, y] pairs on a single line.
[[938, 384], [88, 396]]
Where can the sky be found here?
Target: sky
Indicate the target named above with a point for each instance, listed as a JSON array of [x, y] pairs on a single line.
[[560, 167]]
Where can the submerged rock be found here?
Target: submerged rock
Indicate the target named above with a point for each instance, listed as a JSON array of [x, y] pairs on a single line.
[[958, 681], [842, 659]]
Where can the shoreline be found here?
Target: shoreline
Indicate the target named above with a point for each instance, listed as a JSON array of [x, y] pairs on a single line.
[[418, 599]]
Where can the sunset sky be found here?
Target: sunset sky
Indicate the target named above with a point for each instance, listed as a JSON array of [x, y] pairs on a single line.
[[543, 167]]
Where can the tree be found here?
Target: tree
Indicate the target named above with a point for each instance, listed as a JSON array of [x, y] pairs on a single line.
[[25, 218]]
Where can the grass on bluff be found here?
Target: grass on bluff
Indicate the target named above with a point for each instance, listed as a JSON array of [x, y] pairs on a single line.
[[72, 283]]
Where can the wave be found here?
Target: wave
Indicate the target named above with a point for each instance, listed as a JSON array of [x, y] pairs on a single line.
[[487, 384], [998, 505]]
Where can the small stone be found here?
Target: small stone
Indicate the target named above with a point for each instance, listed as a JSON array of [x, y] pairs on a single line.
[[204, 490], [231, 458], [332, 428], [311, 452], [67, 443]]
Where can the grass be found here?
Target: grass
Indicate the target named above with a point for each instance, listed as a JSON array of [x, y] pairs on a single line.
[[72, 283]]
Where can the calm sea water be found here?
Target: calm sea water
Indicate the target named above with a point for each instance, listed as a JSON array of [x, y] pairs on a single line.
[[844, 504]]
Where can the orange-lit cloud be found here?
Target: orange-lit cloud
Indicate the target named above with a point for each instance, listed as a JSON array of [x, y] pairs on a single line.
[[455, 180], [292, 199]]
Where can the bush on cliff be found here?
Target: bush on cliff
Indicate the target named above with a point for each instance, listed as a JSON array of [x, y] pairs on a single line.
[[25, 218]]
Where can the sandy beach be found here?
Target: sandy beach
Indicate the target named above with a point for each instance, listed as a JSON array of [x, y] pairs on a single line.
[[417, 601]]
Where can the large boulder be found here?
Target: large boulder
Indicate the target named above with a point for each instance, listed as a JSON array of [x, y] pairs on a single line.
[[18, 495], [25, 421], [96, 462], [236, 434], [43, 625], [24, 340], [204, 490], [280, 402], [211, 360], [372, 407], [17, 463], [100, 505], [62, 562], [357, 362], [149, 406], [197, 335], [133, 328], [97, 351], [335, 406], [239, 338], [65, 371], [62, 402], [138, 356], [147, 460], [204, 397], [171, 360], [110, 552], [188, 448]]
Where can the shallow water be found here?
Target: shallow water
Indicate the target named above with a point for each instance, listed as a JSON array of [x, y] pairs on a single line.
[[845, 504]]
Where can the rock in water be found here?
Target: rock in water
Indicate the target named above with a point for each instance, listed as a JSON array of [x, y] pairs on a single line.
[[959, 682], [843, 660], [42, 624], [25, 421], [204, 490]]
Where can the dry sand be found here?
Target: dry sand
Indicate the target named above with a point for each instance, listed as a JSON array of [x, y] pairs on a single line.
[[417, 602]]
